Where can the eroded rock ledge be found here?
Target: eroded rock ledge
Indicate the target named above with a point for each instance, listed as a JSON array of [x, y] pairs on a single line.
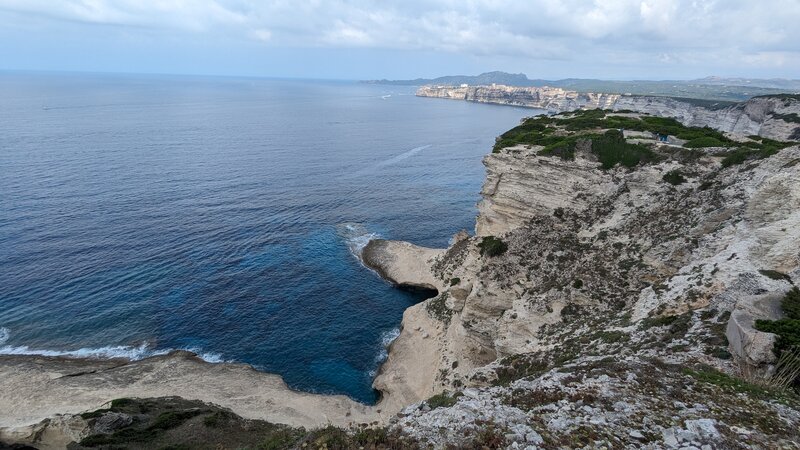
[[403, 263]]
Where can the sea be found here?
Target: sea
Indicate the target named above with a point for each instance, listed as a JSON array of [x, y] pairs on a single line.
[[141, 214]]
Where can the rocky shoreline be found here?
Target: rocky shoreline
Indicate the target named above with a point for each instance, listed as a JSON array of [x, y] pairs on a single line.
[[37, 388]]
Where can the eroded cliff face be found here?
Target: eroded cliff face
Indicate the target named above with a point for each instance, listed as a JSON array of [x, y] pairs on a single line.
[[770, 117], [601, 263]]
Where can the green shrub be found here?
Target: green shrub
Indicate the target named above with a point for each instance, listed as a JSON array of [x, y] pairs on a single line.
[[492, 246], [172, 419], [737, 156], [443, 400], [612, 149], [674, 177], [121, 403], [455, 281], [280, 439], [787, 329], [775, 275], [791, 304], [489, 436], [791, 117], [705, 141]]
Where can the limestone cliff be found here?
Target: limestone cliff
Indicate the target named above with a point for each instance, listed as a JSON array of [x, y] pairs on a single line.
[[774, 117], [622, 265]]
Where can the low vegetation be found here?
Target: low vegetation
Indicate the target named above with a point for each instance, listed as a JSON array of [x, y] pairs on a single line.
[[674, 177], [600, 131], [791, 117], [787, 346], [492, 246], [444, 399], [788, 328], [175, 423]]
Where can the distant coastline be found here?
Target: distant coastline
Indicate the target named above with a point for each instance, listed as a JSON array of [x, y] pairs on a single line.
[[709, 88]]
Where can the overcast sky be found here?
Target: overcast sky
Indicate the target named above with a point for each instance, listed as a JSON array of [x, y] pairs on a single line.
[[358, 39]]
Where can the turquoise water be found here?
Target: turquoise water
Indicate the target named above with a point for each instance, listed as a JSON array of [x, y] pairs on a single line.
[[140, 214]]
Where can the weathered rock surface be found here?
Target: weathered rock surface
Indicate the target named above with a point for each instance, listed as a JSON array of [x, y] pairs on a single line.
[[35, 388], [762, 116], [520, 186], [747, 343], [403, 263]]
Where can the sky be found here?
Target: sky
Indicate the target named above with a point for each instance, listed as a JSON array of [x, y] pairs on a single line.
[[399, 39]]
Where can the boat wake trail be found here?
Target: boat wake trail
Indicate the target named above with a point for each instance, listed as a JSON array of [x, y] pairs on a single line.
[[390, 161]]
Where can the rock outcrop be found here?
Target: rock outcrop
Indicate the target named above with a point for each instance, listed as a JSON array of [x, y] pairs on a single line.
[[747, 343], [402, 263], [773, 117]]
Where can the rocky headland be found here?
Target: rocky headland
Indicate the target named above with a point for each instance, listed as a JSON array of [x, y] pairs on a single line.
[[614, 295]]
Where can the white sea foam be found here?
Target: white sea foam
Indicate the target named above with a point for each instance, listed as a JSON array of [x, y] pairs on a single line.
[[357, 237], [133, 353], [120, 351], [387, 337]]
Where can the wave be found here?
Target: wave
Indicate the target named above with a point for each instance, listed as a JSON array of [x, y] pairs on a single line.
[[387, 337], [357, 237], [132, 353]]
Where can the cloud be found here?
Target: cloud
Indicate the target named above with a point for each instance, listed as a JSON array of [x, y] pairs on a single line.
[[669, 31]]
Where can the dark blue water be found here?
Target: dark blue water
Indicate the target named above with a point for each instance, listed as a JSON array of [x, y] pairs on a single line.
[[141, 214]]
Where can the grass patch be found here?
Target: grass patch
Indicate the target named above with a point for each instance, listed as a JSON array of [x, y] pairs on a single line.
[[707, 374]]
